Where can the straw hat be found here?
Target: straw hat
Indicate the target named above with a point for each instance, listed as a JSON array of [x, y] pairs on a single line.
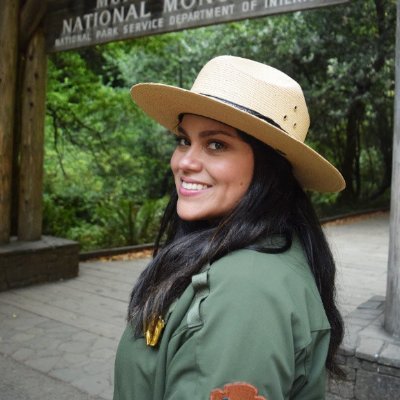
[[254, 98]]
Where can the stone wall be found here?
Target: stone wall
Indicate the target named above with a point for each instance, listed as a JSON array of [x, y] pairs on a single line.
[[369, 356], [45, 260]]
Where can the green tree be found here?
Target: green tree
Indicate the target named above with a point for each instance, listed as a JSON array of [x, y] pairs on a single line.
[[107, 173]]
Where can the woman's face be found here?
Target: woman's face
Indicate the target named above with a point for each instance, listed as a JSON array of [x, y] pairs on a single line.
[[212, 167]]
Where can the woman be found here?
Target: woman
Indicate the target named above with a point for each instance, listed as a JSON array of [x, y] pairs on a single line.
[[238, 301]]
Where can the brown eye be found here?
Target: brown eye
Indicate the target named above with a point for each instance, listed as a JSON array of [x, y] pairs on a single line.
[[216, 146], [182, 141]]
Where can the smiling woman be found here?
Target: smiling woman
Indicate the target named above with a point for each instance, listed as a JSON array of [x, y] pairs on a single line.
[[212, 167], [238, 301]]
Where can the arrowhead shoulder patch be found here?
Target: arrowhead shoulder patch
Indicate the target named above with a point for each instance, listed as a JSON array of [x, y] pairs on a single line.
[[236, 391]]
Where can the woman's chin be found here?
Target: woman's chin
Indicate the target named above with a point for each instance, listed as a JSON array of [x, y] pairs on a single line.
[[191, 213]]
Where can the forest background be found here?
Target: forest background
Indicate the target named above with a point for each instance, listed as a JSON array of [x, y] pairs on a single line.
[[107, 175]]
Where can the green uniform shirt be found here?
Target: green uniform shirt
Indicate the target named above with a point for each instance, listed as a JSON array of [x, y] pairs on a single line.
[[251, 317]]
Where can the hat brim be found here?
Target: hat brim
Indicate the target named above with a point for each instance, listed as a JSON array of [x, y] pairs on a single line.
[[165, 103]]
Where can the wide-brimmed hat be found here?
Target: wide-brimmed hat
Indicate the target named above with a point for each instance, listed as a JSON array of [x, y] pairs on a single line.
[[254, 98]]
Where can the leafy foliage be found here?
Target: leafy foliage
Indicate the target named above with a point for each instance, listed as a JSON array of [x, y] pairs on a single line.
[[107, 165]]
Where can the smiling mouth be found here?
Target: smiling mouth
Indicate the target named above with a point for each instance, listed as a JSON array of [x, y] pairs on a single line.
[[194, 186]]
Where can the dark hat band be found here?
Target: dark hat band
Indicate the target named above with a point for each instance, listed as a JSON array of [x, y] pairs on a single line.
[[247, 110]]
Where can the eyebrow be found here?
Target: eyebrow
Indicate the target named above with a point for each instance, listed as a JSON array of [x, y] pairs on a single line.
[[208, 133]]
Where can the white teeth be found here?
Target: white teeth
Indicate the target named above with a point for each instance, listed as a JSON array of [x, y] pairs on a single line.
[[193, 186]]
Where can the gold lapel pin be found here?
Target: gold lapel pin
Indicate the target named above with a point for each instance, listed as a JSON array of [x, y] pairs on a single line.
[[154, 330]]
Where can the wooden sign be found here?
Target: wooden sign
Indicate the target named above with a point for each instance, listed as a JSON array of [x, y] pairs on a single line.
[[71, 24]]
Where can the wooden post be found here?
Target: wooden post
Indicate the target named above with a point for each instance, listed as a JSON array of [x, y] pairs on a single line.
[[31, 16], [392, 308], [33, 99], [8, 71]]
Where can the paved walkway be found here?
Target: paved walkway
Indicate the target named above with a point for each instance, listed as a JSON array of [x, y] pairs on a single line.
[[361, 253], [58, 340]]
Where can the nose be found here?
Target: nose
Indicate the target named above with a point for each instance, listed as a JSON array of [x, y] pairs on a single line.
[[190, 160]]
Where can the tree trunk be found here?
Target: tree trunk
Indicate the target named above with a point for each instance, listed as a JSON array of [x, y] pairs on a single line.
[[32, 140], [384, 128], [8, 68], [349, 167]]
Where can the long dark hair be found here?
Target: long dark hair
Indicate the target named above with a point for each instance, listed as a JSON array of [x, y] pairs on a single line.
[[274, 204]]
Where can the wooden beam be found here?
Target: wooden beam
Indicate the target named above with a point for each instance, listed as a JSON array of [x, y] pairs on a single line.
[[33, 110], [392, 307], [8, 68], [31, 15]]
